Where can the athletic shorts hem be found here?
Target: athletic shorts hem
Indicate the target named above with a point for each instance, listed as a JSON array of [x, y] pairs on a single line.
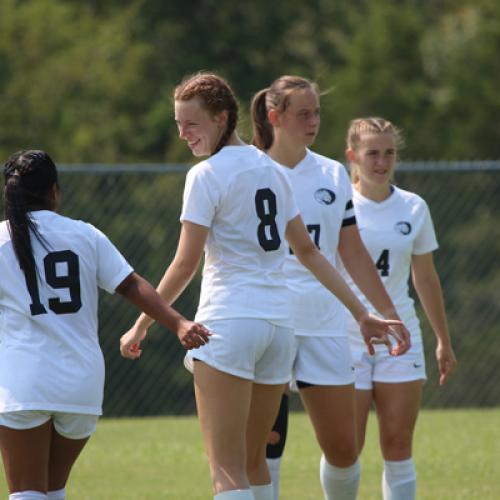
[[30, 419], [189, 362], [363, 387]]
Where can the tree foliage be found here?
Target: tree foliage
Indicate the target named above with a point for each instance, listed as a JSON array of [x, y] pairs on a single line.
[[91, 81]]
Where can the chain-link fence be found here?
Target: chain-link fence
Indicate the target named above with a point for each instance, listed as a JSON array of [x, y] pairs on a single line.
[[138, 207]]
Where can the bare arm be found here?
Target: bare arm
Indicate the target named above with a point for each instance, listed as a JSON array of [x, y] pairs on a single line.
[[142, 294], [430, 294], [176, 278], [311, 257], [182, 268], [360, 266]]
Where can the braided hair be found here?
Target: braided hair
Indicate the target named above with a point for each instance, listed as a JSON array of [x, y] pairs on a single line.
[[215, 95], [29, 176]]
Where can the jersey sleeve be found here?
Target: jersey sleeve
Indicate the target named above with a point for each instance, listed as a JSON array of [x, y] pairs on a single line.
[[200, 198], [112, 267], [349, 218], [425, 240]]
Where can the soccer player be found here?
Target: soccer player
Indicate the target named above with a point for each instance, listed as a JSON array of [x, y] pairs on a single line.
[[397, 230], [51, 365], [286, 119], [239, 205]]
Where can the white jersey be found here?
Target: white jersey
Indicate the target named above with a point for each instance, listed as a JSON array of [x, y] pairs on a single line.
[[246, 201], [392, 231], [324, 196], [50, 357]]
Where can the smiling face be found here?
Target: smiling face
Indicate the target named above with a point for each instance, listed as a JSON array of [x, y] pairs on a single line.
[[299, 123], [374, 158], [198, 127]]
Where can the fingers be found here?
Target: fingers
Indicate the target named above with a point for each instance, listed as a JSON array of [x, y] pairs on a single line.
[[196, 336], [130, 351], [446, 368]]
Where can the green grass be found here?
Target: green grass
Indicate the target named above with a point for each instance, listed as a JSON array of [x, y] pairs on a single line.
[[456, 451]]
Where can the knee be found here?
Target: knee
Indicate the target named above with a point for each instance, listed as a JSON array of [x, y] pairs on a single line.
[[341, 452], [396, 445], [228, 473]]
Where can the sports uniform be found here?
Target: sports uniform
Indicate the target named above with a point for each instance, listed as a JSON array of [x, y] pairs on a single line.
[[392, 230], [324, 196], [246, 201], [50, 359]]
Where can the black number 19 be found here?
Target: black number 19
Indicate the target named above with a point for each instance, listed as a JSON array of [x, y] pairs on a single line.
[[69, 280]]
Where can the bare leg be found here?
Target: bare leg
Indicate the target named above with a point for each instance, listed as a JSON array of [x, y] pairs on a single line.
[[397, 408], [63, 455], [223, 403], [331, 410], [364, 399], [263, 410], [25, 455]]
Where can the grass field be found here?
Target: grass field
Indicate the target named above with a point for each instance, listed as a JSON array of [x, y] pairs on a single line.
[[457, 453]]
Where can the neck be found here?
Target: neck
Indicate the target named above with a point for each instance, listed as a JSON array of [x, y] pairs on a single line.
[[287, 156], [372, 191], [234, 140]]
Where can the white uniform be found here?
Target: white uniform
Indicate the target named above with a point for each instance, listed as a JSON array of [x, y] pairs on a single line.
[[392, 231], [50, 359], [246, 201], [324, 196]]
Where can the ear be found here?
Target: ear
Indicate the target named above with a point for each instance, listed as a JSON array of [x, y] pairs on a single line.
[[350, 155], [274, 117], [221, 118]]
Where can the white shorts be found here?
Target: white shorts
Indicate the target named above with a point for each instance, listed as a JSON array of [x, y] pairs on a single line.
[[323, 361], [382, 367], [68, 425], [253, 349]]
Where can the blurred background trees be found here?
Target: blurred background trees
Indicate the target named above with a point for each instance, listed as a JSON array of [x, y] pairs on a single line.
[[91, 81]]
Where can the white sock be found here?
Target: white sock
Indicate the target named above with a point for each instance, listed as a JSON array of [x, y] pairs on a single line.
[[399, 480], [235, 495], [56, 494], [339, 483], [274, 466], [263, 492], [27, 495]]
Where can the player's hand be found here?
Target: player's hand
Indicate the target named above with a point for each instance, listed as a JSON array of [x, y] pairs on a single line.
[[446, 360], [192, 335], [130, 343], [402, 337], [378, 331]]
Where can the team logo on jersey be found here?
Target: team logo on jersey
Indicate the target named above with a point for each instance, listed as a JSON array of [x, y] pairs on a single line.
[[403, 227], [324, 196]]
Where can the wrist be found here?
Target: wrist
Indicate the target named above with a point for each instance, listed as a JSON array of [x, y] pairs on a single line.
[[390, 313], [362, 315]]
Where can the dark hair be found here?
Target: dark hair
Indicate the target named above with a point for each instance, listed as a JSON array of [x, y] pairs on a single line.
[[277, 96], [29, 177], [215, 95]]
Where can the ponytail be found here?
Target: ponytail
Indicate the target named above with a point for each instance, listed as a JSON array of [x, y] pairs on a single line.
[[29, 176], [263, 135]]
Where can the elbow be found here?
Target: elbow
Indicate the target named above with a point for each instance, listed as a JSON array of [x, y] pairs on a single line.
[[306, 253], [184, 269]]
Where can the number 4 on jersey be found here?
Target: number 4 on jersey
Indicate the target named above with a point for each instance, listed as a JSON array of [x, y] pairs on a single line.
[[382, 263]]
